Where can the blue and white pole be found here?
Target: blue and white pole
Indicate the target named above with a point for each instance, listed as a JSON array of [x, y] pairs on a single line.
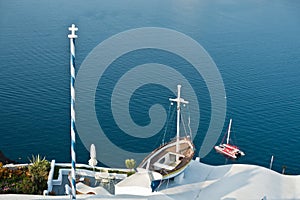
[[72, 37]]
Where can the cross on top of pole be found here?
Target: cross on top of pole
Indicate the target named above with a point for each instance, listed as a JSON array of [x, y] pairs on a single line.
[[72, 29]]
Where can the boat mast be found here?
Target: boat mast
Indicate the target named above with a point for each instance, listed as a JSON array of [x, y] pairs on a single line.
[[178, 100], [228, 133]]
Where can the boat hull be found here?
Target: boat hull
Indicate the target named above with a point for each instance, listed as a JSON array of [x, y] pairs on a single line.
[[176, 173], [230, 151], [158, 159]]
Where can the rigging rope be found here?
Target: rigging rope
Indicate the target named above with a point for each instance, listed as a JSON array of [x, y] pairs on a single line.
[[235, 140], [189, 121], [167, 124], [183, 124], [222, 142]]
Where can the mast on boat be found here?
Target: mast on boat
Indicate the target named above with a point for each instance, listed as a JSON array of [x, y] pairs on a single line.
[[178, 100], [228, 133]]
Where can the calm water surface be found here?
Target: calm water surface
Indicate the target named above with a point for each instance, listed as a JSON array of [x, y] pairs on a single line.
[[255, 44]]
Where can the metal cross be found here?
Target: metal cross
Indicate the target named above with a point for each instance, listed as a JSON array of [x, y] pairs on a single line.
[[72, 29]]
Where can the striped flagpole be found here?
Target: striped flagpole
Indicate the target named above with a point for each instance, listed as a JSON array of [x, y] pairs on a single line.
[[72, 37]]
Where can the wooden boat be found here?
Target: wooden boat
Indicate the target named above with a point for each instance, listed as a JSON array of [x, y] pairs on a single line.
[[171, 158]]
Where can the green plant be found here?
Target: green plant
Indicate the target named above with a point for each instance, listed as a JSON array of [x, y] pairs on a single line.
[[30, 179], [130, 163], [11, 179], [25, 186], [38, 172]]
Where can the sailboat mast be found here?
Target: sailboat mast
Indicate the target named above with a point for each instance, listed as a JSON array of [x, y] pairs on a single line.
[[178, 118], [228, 133], [178, 100]]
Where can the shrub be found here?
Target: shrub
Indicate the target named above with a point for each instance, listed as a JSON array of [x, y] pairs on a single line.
[[39, 173], [31, 179], [130, 163]]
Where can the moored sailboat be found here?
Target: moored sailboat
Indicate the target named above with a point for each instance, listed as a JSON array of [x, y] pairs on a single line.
[[227, 149], [171, 158]]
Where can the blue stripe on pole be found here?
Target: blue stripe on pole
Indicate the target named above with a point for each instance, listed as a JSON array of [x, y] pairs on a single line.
[[72, 81], [73, 126], [73, 181], [73, 60], [73, 146]]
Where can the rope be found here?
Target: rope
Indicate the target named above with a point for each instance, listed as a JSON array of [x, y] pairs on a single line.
[[181, 116], [189, 121], [166, 126], [234, 137], [170, 116]]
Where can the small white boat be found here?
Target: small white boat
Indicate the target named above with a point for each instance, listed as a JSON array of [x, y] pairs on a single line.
[[171, 158], [227, 149]]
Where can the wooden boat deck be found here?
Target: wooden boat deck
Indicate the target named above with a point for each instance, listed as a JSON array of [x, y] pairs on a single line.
[[185, 149]]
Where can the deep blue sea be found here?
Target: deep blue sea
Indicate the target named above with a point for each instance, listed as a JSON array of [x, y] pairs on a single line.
[[254, 43]]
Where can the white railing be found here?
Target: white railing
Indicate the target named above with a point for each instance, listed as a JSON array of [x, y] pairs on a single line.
[[16, 165], [50, 177], [81, 172], [78, 165]]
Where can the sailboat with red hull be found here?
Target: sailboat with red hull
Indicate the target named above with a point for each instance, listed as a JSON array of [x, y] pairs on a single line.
[[227, 149]]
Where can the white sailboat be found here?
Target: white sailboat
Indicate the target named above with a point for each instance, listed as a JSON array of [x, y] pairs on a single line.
[[172, 158], [228, 149]]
